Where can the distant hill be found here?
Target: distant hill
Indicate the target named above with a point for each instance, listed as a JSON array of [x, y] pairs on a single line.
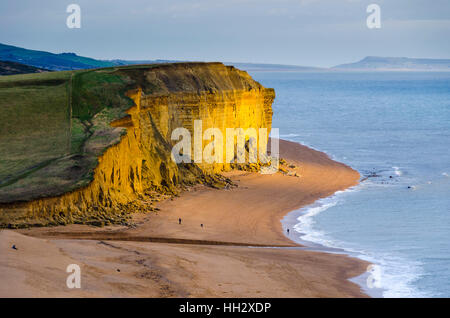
[[71, 61], [50, 61], [375, 63], [13, 68]]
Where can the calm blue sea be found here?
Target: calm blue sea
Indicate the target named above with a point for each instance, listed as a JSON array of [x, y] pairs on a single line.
[[394, 128]]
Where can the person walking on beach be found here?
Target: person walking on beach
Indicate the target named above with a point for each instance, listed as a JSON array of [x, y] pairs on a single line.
[[288, 231], [179, 221]]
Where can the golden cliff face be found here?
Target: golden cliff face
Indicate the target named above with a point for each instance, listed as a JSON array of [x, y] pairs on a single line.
[[171, 96]]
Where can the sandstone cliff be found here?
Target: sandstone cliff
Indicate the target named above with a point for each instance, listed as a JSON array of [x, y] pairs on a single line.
[[120, 158]]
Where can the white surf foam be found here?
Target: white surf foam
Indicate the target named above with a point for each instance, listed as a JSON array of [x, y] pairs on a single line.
[[394, 275], [289, 136], [397, 171]]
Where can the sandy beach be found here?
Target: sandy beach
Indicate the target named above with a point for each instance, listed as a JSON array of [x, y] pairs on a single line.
[[240, 251]]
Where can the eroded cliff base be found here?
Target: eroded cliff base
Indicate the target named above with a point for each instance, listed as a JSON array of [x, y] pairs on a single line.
[[18, 216]]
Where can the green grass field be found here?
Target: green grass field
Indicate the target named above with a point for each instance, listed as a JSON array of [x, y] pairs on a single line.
[[34, 122]]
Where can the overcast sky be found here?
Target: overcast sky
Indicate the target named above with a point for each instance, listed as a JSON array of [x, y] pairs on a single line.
[[301, 32]]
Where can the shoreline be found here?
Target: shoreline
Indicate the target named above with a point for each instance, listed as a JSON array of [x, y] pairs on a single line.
[[250, 214], [291, 220]]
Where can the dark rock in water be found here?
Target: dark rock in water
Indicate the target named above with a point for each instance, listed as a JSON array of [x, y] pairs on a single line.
[[373, 175]]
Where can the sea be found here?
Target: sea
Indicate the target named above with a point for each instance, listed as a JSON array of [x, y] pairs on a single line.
[[394, 128]]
